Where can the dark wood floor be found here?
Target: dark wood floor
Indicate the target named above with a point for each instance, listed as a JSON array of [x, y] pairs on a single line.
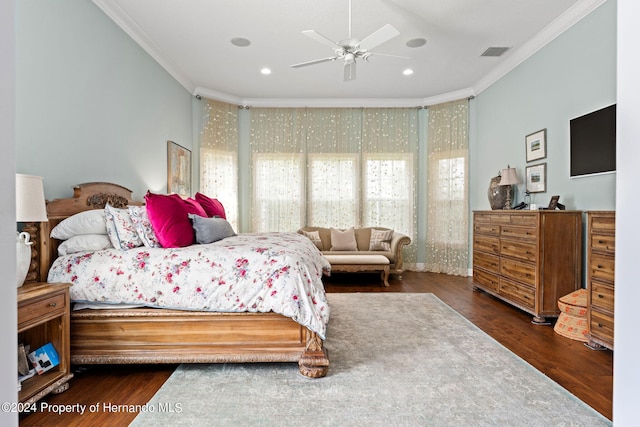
[[586, 373]]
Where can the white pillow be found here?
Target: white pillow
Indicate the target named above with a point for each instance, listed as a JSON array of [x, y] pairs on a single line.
[[343, 240], [87, 222], [380, 240], [85, 242], [121, 229]]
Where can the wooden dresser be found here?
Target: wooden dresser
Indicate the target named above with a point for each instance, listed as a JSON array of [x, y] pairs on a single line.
[[528, 258], [601, 240]]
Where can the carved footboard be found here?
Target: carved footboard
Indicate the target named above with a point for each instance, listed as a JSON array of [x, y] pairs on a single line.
[[145, 335]]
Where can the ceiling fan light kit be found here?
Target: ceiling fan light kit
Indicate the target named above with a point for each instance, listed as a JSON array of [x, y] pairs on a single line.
[[351, 49]]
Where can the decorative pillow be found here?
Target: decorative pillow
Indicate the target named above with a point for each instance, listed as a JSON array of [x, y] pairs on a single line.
[[143, 226], [121, 229], [194, 207], [169, 219], [314, 236], [84, 242], [87, 222], [209, 230], [380, 240], [212, 207], [343, 240]]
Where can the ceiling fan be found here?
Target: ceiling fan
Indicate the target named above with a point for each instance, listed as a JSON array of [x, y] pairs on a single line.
[[351, 48]]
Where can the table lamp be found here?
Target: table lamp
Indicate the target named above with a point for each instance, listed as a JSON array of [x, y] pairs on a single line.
[[509, 177], [30, 207]]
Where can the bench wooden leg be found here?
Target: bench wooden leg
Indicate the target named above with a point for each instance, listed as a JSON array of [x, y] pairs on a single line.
[[385, 275]]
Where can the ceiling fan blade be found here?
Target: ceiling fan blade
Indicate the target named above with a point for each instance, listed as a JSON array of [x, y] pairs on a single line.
[[385, 54], [315, 61], [387, 32], [349, 71], [312, 34]]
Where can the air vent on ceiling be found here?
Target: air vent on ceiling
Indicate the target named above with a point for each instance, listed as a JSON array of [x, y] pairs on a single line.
[[495, 51]]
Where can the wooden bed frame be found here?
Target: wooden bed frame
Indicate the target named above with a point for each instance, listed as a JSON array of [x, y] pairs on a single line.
[[150, 335]]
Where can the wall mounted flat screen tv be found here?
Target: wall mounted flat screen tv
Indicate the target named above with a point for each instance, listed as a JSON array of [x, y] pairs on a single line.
[[593, 142]]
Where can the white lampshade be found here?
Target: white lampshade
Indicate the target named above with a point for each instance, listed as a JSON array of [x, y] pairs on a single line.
[[509, 176], [30, 204]]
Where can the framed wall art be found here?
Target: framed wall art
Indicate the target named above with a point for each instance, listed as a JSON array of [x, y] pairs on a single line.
[[537, 178], [178, 169], [536, 145]]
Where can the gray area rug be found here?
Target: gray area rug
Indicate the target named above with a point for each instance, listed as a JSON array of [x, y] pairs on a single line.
[[396, 360]]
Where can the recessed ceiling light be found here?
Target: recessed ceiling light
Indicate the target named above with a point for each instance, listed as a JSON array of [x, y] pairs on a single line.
[[417, 42], [266, 71], [407, 72], [240, 42]]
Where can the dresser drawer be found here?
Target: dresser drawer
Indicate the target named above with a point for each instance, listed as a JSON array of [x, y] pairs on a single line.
[[602, 267], [522, 294], [518, 249], [486, 280], [603, 223], [527, 233], [524, 219], [486, 261], [483, 228], [601, 325], [41, 309], [602, 296], [517, 270], [604, 243], [486, 244]]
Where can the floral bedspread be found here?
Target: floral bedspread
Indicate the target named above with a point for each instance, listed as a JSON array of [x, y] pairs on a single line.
[[279, 272]]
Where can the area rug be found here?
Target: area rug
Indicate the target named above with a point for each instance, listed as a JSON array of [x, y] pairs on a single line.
[[397, 359]]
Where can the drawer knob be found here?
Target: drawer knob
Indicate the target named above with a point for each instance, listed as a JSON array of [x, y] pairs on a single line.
[[601, 241], [599, 266], [53, 304], [600, 325], [600, 296]]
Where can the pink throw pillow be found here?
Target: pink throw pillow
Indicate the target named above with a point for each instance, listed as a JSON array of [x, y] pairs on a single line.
[[212, 207], [169, 218], [194, 207]]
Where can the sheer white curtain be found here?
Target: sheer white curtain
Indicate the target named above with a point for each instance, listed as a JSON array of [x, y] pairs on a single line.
[[277, 169], [447, 247], [331, 167], [219, 156]]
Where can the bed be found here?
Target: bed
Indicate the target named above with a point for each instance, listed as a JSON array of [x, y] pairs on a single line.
[[148, 334]]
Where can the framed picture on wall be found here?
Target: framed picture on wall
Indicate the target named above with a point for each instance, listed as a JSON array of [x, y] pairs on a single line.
[[178, 169], [536, 145], [537, 178]]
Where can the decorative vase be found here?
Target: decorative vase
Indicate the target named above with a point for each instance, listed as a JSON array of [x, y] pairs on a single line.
[[23, 256], [498, 193]]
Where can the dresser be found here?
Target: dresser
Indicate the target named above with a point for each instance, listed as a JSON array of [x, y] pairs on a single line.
[[601, 241], [528, 259], [43, 317]]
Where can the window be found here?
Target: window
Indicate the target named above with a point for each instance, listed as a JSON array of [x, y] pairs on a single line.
[[277, 192], [220, 180], [333, 194]]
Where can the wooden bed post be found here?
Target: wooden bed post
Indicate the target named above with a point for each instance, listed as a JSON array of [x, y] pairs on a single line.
[[314, 362]]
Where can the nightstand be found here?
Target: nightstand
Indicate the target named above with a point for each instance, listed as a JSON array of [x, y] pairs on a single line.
[[43, 317]]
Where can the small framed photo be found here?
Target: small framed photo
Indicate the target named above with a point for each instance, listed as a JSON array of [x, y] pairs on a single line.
[[178, 169], [537, 178], [536, 145]]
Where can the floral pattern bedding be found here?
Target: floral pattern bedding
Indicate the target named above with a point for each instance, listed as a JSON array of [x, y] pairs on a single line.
[[279, 272]]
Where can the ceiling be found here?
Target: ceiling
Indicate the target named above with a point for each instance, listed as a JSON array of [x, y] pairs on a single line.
[[191, 39]]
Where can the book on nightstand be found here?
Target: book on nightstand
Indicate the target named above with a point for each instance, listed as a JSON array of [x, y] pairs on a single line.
[[44, 358]]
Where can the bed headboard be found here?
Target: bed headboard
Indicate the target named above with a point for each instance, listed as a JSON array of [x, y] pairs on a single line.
[[87, 196]]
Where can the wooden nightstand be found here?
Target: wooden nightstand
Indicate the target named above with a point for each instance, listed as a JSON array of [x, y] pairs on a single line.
[[43, 317]]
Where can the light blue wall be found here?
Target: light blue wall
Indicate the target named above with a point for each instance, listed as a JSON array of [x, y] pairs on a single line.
[[573, 75], [91, 104]]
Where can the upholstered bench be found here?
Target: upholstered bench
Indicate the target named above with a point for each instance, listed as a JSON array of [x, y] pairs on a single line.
[[360, 263]]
